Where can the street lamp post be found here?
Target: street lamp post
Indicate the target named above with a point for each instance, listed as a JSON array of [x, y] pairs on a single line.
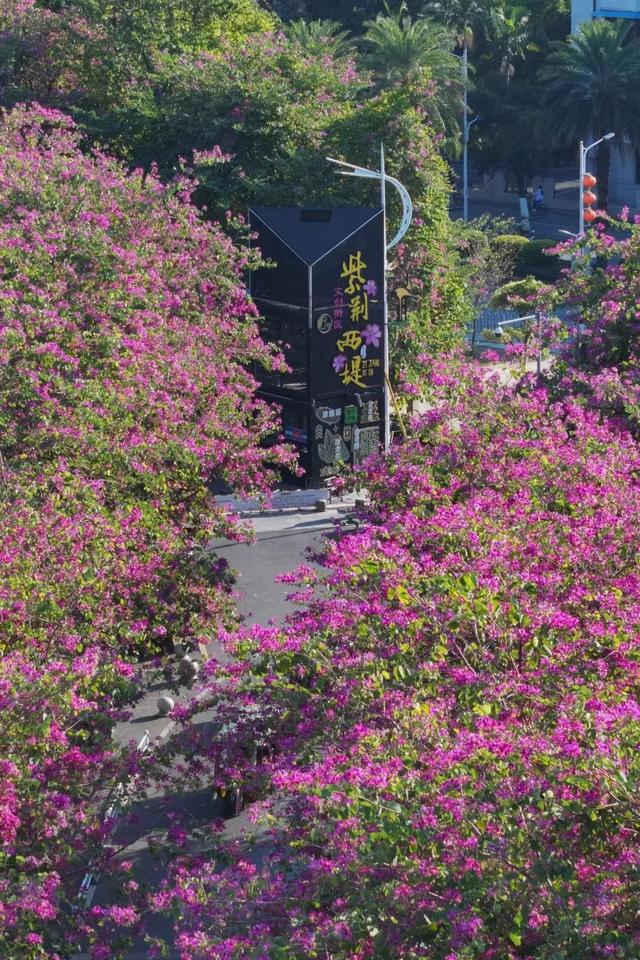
[[466, 127], [582, 166], [465, 164], [465, 135], [407, 214]]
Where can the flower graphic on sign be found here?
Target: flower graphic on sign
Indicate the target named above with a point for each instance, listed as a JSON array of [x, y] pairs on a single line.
[[371, 288], [371, 335], [339, 363]]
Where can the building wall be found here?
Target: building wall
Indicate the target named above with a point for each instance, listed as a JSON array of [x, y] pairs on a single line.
[[581, 10], [623, 190]]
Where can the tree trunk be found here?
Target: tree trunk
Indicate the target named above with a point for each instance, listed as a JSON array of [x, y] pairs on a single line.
[[523, 200], [603, 161]]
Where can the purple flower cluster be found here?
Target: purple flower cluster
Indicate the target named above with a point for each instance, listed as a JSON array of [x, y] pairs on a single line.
[[125, 341], [447, 734]]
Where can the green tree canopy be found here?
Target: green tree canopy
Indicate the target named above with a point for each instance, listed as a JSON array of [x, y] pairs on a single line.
[[463, 17], [513, 35], [350, 13], [403, 48]]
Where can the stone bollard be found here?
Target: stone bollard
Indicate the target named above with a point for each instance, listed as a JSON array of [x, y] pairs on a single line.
[[321, 506], [188, 669], [165, 706]]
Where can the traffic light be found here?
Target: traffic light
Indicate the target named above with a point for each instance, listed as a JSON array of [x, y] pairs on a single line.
[[589, 198]]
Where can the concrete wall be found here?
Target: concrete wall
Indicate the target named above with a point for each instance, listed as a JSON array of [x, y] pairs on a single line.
[[492, 190], [558, 194]]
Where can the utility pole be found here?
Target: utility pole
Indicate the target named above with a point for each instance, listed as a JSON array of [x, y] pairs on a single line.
[[465, 135], [582, 163], [385, 306], [466, 127]]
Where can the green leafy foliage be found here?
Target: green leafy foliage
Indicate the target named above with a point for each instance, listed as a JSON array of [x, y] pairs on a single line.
[[533, 258], [518, 294]]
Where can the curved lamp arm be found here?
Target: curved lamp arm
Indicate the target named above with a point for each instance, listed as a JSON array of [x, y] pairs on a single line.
[[407, 205]]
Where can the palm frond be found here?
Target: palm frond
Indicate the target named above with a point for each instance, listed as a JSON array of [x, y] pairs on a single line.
[[591, 83], [319, 37]]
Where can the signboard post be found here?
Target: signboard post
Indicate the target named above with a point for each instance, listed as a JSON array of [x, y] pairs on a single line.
[[407, 215], [325, 305]]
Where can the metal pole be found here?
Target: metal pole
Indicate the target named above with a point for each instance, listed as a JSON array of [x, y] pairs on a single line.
[[385, 312], [582, 153], [465, 138]]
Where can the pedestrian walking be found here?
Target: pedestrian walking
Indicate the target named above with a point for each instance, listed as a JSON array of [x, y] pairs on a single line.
[[538, 198]]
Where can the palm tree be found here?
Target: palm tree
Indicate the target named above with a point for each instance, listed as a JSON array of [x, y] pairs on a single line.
[[319, 37], [512, 37], [401, 48], [462, 17], [592, 86]]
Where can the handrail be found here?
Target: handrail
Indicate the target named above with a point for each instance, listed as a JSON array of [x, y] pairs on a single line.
[[90, 880]]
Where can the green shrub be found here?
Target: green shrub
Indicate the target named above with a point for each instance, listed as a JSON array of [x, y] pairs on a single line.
[[532, 253], [509, 244], [532, 260], [516, 295]]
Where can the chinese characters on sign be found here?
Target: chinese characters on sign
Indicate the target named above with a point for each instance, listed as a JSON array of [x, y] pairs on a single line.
[[352, 300], [338, 308]]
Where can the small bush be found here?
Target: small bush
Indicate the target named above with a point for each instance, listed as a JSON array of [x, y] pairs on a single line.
[[509, 244], [532, 259], [516, 295]]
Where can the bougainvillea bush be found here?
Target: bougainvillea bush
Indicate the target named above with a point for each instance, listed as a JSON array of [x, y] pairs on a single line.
[[603, 355], [447, 733], [125, 343]]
